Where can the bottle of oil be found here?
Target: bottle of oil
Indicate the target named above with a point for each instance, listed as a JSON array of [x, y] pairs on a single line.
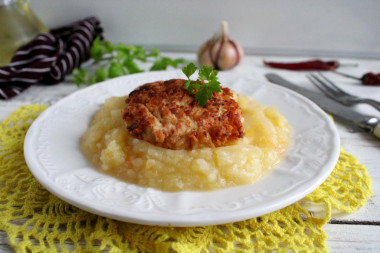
[[18, 26]]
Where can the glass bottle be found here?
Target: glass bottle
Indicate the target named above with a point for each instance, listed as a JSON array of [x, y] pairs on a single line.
[[18, 26]]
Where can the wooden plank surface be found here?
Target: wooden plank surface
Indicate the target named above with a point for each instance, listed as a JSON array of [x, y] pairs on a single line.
[[353, 238], [342, 238]]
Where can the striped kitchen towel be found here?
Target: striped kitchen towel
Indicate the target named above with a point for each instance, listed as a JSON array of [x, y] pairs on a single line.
[[49, 57]]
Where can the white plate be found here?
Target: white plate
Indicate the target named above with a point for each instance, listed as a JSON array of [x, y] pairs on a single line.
[[53, 155]]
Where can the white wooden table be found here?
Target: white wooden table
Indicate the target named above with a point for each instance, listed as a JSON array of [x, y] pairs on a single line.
[[357, 232]]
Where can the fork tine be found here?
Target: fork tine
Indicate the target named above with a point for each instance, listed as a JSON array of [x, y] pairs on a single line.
[[333, 85], [338, 94], [321, 85]]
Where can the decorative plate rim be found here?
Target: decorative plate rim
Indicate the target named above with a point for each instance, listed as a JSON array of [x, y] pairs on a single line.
[[83, 186]]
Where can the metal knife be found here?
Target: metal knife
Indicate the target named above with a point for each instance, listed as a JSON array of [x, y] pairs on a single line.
[[368, 123]]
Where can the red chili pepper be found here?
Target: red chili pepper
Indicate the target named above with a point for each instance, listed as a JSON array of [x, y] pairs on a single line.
[[371, 79], [367, 79], [305, 65]]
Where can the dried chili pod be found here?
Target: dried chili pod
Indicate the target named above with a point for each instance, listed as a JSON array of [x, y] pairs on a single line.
[[367, 79], [371, 79], [305, 65]]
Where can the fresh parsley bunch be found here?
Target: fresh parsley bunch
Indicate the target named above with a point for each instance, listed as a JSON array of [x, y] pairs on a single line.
[[112, 61], [206, 84]]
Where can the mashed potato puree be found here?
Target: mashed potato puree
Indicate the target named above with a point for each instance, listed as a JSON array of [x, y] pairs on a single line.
[[109, 146]]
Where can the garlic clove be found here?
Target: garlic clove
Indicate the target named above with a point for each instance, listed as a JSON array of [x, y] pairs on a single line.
[[204, 54], [220, 51], [230, 56]]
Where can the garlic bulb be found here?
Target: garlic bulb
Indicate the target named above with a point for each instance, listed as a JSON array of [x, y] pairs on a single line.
[[220, 51]]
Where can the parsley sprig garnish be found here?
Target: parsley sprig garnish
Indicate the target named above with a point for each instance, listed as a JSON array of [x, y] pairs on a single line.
[[111, 61], [206, 84]]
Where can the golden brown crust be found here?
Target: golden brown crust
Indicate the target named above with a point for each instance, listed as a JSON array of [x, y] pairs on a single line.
[[164, 114]]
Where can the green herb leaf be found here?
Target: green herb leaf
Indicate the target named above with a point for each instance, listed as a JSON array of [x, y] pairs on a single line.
[[80, 76], [189, 69], [187, 84], [155, 53], [131, 66], [108, 47], [164, 62], [116, 60], [205, 72], [115, 70], [201, 98], [214, 86], [121, 56], [161, 64], [140, 54], [203, 90], [96, 50], [100, 75], [180, 61], [123, 48]]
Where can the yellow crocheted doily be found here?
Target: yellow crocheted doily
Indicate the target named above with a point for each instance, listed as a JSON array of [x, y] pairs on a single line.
[[37, 221]]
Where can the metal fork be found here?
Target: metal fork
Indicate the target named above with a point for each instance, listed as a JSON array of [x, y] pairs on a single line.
[[336, 93]]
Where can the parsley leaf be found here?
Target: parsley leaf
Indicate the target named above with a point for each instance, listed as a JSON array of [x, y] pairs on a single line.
[[96, 50], [207, 73], [189, 69], [115, 70], [111, 61], [206, 84], [80, 76], [214, 86], [163, 63], [131, 66], [202, 98], [100, 75], [155, 53]]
